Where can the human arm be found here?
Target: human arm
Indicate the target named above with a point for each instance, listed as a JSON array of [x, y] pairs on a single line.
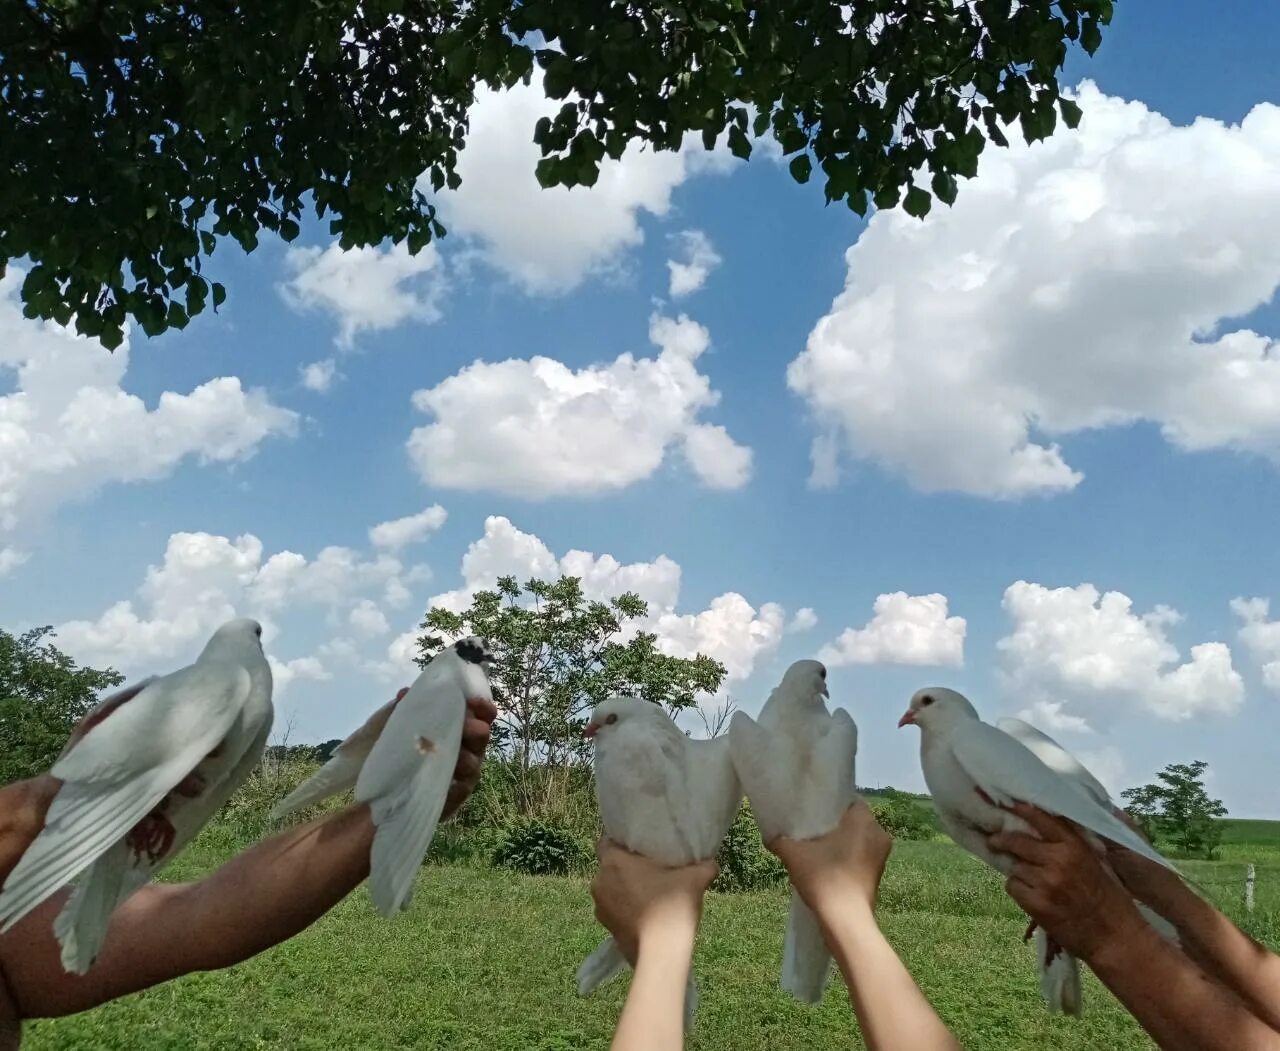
[[837, 876], [1216, 944], [260, 898], [1061, 883], [652, 911]]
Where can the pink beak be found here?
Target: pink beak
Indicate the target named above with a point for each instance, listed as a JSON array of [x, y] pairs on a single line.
[[907, 717], [590, 729]]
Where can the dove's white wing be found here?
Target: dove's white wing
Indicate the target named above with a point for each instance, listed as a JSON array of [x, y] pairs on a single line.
[[642, 786], [715, 794], [119, 771], [343, 768], [1055, 757], [81, 926], [1007, 772], [407, 775]]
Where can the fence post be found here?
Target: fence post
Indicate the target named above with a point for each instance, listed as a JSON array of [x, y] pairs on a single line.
[[1248, 887]]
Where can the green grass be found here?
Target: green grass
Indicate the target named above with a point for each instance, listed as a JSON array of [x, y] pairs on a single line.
[[485, 959]]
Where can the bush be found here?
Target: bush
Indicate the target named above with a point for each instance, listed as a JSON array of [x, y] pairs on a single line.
[[744, 862], [539, 849], [901, 816]]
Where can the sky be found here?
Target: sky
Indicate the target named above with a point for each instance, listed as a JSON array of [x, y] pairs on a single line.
[[1028, 448]]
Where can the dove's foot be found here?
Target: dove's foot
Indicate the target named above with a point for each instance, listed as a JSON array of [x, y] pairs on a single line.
[[153, 836], [190, 786], [1031, 929]]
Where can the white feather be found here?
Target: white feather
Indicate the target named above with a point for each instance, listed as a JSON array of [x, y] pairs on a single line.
[[797, 765], [662, 795]]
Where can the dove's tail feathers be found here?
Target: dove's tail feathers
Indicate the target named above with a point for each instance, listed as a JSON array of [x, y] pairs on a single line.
[[604, 964], [406, 824], [83, 823], [81, 926], [1160, 925], [806, 964], [690, 1003], [1059, 977], [337, 775]]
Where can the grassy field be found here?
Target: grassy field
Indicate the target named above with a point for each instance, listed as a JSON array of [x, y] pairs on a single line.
[[485, 960]]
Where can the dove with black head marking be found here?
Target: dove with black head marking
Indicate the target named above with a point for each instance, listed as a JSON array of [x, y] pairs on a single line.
[[974, 771], [401, 763], [662, 795], [796, 763], [156, 762]]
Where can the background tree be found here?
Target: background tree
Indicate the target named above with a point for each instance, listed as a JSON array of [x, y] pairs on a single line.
[[43, 694], [1177, 808], [557, 655], [136, 134]]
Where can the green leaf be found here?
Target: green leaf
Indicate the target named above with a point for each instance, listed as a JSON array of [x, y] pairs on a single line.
[[1071, 112], [289, 230], [739, 144], [1090, 35], [944, 188], [801, 168], [917, 202], [219, 295]]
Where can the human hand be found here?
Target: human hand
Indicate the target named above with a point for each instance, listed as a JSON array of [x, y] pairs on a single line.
[[843, 866], [1061, 883], [475, 739], [639, 900]]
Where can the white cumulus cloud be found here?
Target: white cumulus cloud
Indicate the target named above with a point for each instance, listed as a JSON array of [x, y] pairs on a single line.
[[730, 629], [319, 375], [904, 629], [698, 258], [69, 428], [548, 241], [365, 289], [412, 529], [1087, 651], [1076, 284], [549, 430], [206, 579], [1261, 635]]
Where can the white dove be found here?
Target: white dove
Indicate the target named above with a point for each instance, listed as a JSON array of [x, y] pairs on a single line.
[[797, 766], [662, 795], [401, 762], [156, 763], [1058, 759], [973, 770]]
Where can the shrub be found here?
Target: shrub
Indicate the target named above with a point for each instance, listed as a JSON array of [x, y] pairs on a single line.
[[745, 863], [901, 816], [539, 849]]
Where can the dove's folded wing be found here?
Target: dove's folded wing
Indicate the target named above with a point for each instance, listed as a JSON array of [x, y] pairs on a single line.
[[406, 780], [1055, 757], [120, 771], [343, 768], [1008, 772]]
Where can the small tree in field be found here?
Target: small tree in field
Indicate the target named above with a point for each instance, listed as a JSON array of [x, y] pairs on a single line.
[[42, 696], [558, 654], [1178, 808]]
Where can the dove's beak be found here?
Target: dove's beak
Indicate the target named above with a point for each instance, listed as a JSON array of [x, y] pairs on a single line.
[[590, 729], [909, 716]]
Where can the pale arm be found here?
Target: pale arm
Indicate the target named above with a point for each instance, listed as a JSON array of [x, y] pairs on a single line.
[[652, 911], [837, 875]]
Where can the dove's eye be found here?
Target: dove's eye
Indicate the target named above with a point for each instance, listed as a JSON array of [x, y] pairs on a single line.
[[926, 700], [258, 631], [822, 672], [611, 718]]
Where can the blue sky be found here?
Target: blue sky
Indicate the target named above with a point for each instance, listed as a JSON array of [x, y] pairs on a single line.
[[1067, 381]]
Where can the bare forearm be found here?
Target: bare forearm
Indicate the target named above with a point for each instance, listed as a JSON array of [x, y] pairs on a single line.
[[257, 900], [653, 1016], [1224, 951], [23, 805], [891, 1009], [280, 887], [1180, 1006]]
